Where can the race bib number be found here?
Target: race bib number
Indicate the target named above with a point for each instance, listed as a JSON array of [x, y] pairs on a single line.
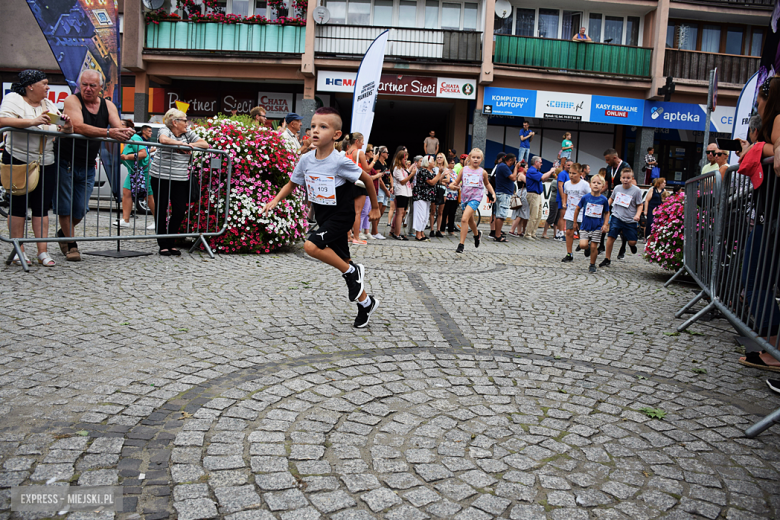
[[622, 200], [471, 180], [321, 188], [573, 201], [594, 210]]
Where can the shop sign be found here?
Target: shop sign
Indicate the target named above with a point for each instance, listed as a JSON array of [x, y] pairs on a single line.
[[276, 104], [57, 93], [685, 116], [561, 106], [400, 85], [509, 102], [618, 111], [241, 104], [198, 105]]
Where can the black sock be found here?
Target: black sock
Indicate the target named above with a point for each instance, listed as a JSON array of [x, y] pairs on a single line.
[[72, 245]]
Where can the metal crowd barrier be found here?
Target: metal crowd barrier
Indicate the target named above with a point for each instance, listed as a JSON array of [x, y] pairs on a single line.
[[702, 196], [207, 194], [744, 282]]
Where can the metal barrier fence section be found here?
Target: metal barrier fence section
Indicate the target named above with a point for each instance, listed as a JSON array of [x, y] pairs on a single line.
[[701, 201], [108, 190], [743, 283]]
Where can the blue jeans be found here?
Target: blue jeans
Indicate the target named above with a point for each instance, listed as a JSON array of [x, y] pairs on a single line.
[[523, 154], [502, 203], [74, 190]]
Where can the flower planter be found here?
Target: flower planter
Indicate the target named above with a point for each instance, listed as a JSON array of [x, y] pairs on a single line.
[[244, 37], [289, 38], [272, 37], [228, 40], [181, 38], [258, 38], [164, 35], [211, 37]]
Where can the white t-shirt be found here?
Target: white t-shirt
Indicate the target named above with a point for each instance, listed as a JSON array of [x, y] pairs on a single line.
[[574, 192], [14, 106], [335, 165], [404, 190], [291, 141]]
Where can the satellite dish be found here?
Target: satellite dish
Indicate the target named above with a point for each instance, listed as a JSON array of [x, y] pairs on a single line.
[[153, 4], [503, 9], [321, 15]]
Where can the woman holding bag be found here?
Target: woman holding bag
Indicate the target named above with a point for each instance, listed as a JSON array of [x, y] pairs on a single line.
[[28, 107]]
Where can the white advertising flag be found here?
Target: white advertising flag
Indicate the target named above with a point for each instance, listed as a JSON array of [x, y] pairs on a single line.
[[744, 110], [367, 87]]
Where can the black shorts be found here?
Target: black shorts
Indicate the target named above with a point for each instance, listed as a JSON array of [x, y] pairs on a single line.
[[334, 222], [401, 202]]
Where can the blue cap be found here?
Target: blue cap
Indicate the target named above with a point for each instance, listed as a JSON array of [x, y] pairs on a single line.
[[292, 116]]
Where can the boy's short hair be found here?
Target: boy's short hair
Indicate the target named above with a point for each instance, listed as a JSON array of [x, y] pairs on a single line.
[[597, 178], [330, 111], [576, 167], [628, 170]]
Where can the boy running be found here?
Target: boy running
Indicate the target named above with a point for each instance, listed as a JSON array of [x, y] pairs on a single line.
[[595, 220], [329, 179], [573, 190], [626, 201], [473, 181]]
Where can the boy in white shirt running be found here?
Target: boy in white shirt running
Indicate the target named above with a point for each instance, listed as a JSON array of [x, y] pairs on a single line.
[[329, 178], [573, 190], [627, 204]]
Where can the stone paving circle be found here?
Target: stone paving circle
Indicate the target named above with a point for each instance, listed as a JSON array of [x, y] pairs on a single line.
[[500, 383]]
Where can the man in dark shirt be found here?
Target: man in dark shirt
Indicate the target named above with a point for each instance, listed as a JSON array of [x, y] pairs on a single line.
[[91, 116], [505, 188], [615, 165], [534, 179]]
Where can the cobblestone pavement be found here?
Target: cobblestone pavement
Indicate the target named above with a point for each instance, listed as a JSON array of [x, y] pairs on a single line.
[[499, 383]]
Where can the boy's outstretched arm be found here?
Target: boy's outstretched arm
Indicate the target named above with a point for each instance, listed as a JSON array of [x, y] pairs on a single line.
[[285, 192]]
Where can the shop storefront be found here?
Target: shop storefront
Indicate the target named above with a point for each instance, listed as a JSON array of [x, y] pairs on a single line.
[[408, 108], [600, 122]]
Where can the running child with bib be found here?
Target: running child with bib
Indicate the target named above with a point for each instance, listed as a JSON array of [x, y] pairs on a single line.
[[473, 181], [573, 190], [330, 178], [595, 221]]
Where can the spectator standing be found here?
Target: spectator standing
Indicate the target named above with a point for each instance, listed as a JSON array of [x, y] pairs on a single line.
[[650, 163], [586, 175], [423, 193], [136, 159], [492, 177], [615, 165], [653, 199], [581, 36], [169, 174], [520, 215], [27, 106], [534, 180], [403, 193], [562, 179], [431, 144], [437, 206], [712, 158], [451, 200], [526, 136], [566, 146], [552, 212], [385, 192], [459, 165], [505, 188], [91, 116], [290, 134]]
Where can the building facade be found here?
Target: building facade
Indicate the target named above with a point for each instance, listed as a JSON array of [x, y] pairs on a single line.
[[470, 70]]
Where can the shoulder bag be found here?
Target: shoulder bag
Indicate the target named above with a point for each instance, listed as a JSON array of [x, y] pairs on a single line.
[[21, 179], [516, 202]]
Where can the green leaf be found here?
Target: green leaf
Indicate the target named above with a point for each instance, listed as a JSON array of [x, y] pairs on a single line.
[[183, 330], [653, 413], [699, 370], [692, 333], [630, 332], [125, 323], [83, 433], [640, 377], [671, 333]]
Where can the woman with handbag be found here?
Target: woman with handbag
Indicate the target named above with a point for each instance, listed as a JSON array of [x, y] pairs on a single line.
[[170, 177], [29, 167]]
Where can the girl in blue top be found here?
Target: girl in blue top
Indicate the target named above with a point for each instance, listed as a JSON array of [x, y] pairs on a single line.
[[566, 146]]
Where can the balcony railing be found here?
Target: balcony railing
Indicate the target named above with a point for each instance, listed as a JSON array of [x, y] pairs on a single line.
[[599, 58], [241, 37], [697, 65], [432, 44], [768, 4]]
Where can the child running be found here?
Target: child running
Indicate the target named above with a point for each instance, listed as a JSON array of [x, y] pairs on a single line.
[[473, 181], [627, 205], [573, 190], [329, 179], [595, 220]]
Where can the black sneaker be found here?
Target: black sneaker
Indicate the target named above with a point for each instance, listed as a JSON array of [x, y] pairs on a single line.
[[477, 239], [439, 234], [602, 248], [621, 256], [364, 313], [492, 234], [432, 234], [633, 249], [568, 258], [355, 281], [592, 268], [460, 248], [774, 385], [586, 251], [578, 248], [605, 263]]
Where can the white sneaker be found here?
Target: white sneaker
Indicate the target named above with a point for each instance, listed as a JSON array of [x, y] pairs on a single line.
[[379, 236], [150, 226], [363, 236], [368, 236], [122, 223]]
